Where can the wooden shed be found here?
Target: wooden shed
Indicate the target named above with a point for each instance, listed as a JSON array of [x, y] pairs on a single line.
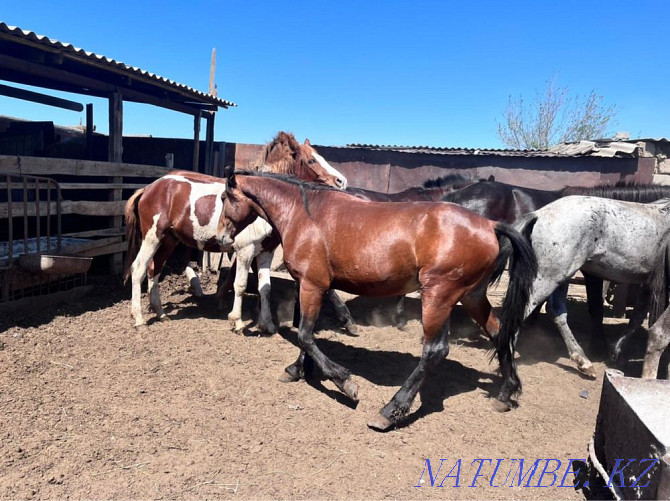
[[42, 200]]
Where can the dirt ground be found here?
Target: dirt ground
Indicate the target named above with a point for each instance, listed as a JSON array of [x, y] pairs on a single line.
[[92, 408]]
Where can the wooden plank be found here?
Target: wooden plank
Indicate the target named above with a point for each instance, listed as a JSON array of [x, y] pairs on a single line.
[[116, 249], [41, 166], [101, 186], [81, 207], [37, 97], [103, 232], [81, 247]]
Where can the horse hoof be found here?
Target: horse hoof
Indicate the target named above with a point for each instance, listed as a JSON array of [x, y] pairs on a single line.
[[588, 371], [380, 423], [351, 328], [164, 318], [267, 330], [350, 389], [500, 406], [401, 324], [288, 378]]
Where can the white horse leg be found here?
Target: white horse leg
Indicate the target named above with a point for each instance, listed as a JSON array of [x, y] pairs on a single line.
[[139, 269], [194, 281], [264, 261], [557, 308], [245, 256]]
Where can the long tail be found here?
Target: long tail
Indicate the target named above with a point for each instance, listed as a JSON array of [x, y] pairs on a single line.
[[659, 282], [516, 248], [133, 231]]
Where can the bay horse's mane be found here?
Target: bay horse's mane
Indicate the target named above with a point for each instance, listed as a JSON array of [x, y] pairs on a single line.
[[283, 166], [448, 180], [302, 185], [630, 192]]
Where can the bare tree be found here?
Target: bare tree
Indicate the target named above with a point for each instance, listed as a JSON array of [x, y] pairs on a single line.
[[554, 117]]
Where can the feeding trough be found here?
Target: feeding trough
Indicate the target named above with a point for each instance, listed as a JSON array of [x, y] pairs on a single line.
[[629, 455], [54, 265]]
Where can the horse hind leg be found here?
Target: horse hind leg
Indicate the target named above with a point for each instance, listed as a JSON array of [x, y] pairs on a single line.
[[139, 269], [637, 318], [343, 313], [557, 308], [435, 310], [479, 308], [160, 257]]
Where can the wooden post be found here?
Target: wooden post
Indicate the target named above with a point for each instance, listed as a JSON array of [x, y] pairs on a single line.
[[89, 131], [209, 144], [196, 141], [115, 154], [169, 160]]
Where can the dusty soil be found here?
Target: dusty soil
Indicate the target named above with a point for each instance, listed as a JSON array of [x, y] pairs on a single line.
[[92, 408]]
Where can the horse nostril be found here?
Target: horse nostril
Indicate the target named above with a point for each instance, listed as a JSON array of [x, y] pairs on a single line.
[[339, 182]]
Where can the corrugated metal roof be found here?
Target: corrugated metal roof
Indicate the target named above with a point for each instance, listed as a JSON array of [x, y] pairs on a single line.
[[458, 151], [103, 61], [582, 148]]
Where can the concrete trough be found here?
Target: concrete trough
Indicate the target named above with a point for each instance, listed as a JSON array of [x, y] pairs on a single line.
[[631, 445]]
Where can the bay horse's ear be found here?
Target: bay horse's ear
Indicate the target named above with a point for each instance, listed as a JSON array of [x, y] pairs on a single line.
[[229, 174], [307, 143]]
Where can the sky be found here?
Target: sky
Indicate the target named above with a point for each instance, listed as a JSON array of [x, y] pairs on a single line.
[[423, 73]]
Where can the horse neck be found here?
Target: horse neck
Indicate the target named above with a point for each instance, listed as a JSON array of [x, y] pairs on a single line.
[[281, 202]]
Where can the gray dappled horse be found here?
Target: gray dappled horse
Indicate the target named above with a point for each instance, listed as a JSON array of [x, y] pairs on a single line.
[[613, 240]]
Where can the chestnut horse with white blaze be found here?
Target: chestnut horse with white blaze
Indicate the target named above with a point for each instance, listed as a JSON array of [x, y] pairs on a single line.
[[335, 240], [186, 207]]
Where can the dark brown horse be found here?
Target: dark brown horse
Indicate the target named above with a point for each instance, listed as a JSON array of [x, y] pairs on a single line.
[[184, 207], [431, 191], [334, 240]]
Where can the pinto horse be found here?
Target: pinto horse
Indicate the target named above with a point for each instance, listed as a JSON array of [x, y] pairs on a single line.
[[507, 202], [334, 240], [609, 239], [185, 207]]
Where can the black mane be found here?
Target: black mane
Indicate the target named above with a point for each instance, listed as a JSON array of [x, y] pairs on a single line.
[[629, 192], [448, 180]]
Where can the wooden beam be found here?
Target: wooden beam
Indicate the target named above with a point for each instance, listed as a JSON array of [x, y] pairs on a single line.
[[196, 141], [41, 166], [115, 149], [89, 130], [209, 144], [81, 207], [36, 97]]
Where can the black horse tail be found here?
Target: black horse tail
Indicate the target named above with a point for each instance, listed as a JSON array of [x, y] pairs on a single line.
[[515, 247], [659, 282], [133, 231]]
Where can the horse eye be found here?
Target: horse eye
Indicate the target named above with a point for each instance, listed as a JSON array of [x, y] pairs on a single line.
[[311, 161]]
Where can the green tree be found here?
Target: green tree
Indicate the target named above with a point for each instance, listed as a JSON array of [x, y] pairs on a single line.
[[553, 117]]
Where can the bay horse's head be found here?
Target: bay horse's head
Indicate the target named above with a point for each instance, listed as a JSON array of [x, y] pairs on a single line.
[[238, 211], [285, 155]]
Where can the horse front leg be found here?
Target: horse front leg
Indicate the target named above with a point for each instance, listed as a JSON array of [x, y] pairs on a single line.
[[264, 261], [245, 256], [558, 309], [659, 339], [311, 298], [435, 311]]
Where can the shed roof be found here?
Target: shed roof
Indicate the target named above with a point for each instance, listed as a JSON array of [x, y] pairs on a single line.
[[581, 148], [32, 59]]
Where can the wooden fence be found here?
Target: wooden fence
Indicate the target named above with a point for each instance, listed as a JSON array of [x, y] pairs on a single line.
[[93, 192]]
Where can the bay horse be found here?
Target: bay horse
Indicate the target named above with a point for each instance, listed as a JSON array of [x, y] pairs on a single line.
[[609, 239], [334, 240], [184, 207], [507, 202]]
